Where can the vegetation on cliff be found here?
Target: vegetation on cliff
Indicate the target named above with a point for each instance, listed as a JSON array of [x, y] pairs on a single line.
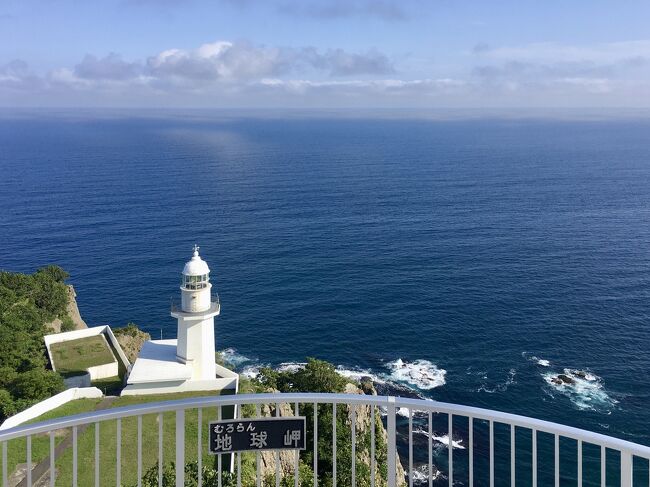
[[27, 303], [131, 339], [316, 376]]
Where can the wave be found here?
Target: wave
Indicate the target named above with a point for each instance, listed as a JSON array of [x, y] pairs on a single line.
[[583, 388], [539, 361], [421, 474], [422, 374], [359, 374], [404, 379], [251, 371], [234, 358], [500, 387], [444, 439], [290, 366]]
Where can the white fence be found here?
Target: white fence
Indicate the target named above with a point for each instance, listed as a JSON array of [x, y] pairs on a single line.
[[499, 449]]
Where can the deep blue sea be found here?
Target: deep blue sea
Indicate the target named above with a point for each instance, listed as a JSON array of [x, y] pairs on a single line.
[[468, 261]]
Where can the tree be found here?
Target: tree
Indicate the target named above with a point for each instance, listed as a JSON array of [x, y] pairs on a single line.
[[53, 272], [37, 384], [316, 376], [27, 302], [7, 406]]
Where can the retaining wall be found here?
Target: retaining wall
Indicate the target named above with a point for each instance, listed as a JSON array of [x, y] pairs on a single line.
[[51, 403]]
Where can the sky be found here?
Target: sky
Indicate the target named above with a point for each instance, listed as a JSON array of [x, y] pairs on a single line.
[[325, 53]]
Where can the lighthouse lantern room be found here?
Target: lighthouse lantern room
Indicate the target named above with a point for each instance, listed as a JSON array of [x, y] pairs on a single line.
[[195, 284]]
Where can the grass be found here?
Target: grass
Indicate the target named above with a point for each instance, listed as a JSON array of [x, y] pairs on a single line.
[[129, 442], [17, 449], [75, 356]]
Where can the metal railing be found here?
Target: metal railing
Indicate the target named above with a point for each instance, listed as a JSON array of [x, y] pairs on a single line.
[[492, 448]]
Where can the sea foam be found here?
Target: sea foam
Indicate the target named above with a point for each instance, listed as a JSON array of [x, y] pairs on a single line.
[[500, 386], [539, 361], [421, 474], [585, 389], [404, 378], [359, 374], [422, 374], [443, 439], [234, 358]]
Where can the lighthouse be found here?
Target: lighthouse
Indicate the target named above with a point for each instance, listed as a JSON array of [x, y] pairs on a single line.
[[187, 363], [196, 346]]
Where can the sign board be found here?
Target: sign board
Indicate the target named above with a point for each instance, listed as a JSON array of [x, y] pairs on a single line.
[[235, 435]]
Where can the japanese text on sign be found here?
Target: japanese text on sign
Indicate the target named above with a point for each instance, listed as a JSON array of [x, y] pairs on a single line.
[[235, 435]]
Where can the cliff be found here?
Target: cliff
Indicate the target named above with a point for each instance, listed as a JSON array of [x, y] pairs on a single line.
[[363, 424], [73, 320], [131, 339]]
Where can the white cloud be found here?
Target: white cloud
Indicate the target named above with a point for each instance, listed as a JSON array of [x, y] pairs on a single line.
[[555, 53], [225, 61], [111, 67], [339, 62], [245, 74], [16, 75], [593, 85]]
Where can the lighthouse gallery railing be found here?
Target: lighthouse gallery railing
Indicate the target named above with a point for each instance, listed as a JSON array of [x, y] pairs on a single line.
[[627, 463]]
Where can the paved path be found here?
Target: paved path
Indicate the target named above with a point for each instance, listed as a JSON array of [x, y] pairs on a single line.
[[44, 466]]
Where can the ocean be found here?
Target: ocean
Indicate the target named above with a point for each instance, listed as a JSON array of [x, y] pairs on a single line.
[[469, 261]]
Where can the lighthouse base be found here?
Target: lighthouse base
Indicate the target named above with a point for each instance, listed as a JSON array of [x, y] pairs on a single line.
[[158, 371]]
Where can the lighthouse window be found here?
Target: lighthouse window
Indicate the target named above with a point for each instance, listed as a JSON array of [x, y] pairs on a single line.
[[195, 282]]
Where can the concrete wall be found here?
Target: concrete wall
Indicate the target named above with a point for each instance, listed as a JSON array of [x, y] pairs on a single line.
[[73, 335], [99, 371], [103, 371], [225, 373], [121, 355], [51, 403]]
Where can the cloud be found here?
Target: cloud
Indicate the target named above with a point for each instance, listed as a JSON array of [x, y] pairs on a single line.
[[240, 73], [225, 61], [593, 85], [555, 53], [559, 70], [111, 67], [387, 10], [336, 9], [242, 61], [395, 86], [17, 76], [341, 63]]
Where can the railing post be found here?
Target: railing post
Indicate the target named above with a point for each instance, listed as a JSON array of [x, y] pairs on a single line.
[[180, 448], [5, 481], [391, 470], [626, 469]]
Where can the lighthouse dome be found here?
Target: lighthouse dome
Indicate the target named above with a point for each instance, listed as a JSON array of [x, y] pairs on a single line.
[[196, 266]]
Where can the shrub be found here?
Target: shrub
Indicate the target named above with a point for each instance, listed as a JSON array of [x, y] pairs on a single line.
[[7, 406], [37, 384], [53, 272], [67, 324], [27, 302], [316, 376], [131, 329]]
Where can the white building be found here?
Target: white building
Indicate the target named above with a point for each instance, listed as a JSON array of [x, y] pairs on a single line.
[[188, 363]]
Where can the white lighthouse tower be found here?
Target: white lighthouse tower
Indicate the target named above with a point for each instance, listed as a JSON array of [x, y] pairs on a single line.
[[187, 363], [195, 334]]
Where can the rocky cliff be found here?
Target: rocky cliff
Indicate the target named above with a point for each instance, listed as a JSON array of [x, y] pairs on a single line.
[[72, 310], [363, 424]]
